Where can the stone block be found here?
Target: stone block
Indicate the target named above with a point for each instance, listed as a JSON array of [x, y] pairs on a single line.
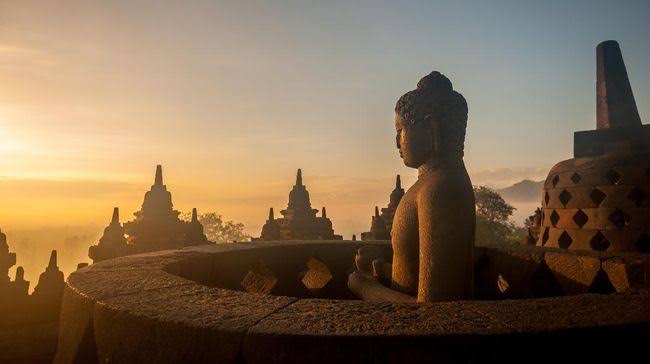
[[574, 272], [629, 274], [259, 280]]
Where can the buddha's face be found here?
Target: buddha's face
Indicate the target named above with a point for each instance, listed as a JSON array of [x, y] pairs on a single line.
[[414, 141]]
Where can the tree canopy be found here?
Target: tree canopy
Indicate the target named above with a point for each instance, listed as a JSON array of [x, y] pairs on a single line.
[[219, 230], [493, 225]]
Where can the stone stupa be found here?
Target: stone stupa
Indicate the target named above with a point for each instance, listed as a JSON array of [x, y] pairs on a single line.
[[387, 214], [299, 220], [157, 225], [113, 243], [600, 199], [50, 283], [378, 230]]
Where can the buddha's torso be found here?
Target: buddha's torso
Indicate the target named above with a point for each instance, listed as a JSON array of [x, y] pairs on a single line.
[[458, 202]]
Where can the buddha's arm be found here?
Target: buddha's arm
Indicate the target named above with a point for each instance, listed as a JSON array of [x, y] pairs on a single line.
[[382, 270], [368, 288], [365, 281], [445, 257], [434, 258]]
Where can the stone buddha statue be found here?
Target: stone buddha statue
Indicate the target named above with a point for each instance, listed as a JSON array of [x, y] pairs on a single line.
[[432, 234]]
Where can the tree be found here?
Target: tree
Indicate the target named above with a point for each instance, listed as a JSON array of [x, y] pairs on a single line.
[[492, 218], [218, 230]]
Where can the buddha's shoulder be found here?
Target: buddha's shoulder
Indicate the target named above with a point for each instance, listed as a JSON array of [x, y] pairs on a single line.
[[443, 186]]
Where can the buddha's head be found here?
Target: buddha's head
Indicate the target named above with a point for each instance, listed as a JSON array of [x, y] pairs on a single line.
[[430, 122]]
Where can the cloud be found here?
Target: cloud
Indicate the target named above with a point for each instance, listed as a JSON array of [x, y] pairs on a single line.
[[504, 177], [34, 188]]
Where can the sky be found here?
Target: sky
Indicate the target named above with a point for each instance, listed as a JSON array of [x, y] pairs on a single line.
[[231, 97]]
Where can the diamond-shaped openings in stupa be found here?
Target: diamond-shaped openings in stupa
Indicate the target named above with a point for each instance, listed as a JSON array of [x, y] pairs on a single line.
[[317, 274], [597, 196], [619, 218], [643, 244], [555, 217], [565, 197], [575, 178], [580, 218], [599, 242], [555, 180], [601, 284], [545, 236], [637, 195], [613, 176], [565, 240], [546, 198], [260, 279]]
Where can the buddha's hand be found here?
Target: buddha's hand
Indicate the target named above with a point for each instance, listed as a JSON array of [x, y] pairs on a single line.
[[370, 262], [370, 280]]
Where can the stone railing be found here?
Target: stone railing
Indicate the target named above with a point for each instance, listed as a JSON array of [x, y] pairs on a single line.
[[288, 302]]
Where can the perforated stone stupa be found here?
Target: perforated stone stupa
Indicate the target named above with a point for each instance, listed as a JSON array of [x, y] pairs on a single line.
[[28, 322], [299, 220], [386, 217], [113, 243], [155, 227], [50, 283], [600, 199]]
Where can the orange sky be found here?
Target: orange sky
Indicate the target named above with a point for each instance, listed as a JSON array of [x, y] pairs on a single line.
[[232, 97]]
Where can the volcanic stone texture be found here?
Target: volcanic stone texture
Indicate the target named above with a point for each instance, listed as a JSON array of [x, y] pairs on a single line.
[[600, 203], [190, 306]]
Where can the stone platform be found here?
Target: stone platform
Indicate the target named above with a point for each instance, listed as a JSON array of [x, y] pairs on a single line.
[[287, 302]]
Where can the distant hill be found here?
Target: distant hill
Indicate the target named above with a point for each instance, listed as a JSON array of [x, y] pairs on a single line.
[[524, 191]]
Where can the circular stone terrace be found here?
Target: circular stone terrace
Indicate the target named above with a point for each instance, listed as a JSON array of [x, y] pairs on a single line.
[[288, 302]]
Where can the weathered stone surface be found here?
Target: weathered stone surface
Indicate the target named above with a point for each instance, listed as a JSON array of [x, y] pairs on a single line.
[[260, 280], [615, 105], [322, 331], [629, 274], [192, 324], [575, 272], [326, 331], [317, 274], [101, 285], [76, 331], [567, 313], [506, 272], [128, 315]]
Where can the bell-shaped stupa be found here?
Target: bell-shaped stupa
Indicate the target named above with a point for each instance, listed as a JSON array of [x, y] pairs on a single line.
[[600, 199], [387, 214], [157, 225], [299, 220], [113, 243]]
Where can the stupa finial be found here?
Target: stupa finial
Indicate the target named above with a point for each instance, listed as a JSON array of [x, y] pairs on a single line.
[[615, 105], [376, 211], [116, 216], [324, 213], [398, 182], [299, 177], [53, 261], [195, 216], [159, 177], [20, 274], [271, 217]]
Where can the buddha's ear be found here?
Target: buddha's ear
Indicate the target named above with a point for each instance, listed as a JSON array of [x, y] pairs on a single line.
[[435, 132]]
